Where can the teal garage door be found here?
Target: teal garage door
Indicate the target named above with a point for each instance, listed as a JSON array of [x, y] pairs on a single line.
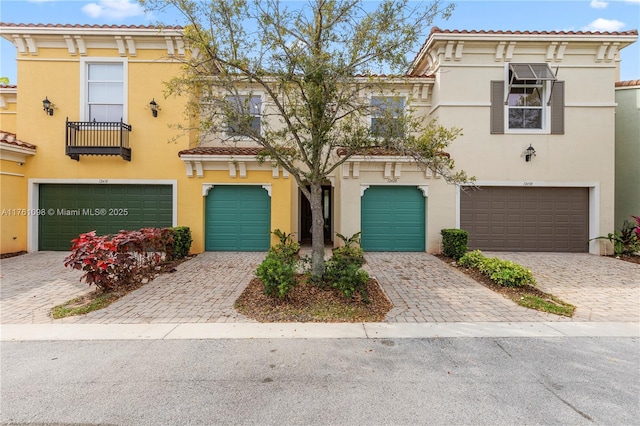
[[238, 218], [73, 209], [393, 219]]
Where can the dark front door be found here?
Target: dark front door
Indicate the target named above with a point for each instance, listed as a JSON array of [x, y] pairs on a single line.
[[305, 216]]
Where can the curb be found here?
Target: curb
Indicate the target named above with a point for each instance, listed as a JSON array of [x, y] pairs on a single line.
[[195, 331]]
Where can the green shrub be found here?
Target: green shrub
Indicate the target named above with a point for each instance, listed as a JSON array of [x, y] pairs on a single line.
[[454, 242], [489, 265], [349, 241], [472, 259], [277, 273], [286, 251], [283, 236], [636, 226], [343, 272], [502, 272], [183, 240], [287, 248], [506, 272], [625, 241], [353, 254]]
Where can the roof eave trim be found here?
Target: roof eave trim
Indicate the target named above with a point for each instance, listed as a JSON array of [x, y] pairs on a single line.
[[381, 158], [599, 37], [217, 157], [162, 32], [5, 146]]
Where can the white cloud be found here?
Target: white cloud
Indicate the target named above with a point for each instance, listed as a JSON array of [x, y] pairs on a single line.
[[113, 9], [599, 4], [602, 24]]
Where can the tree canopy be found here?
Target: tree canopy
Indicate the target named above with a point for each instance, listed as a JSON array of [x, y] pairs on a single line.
[[301, 80]]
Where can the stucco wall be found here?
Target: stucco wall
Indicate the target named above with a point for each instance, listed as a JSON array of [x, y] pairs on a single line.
[[56, 74], [8, 107], [191, 199], [13, 206], [439, 198], [627, 154], [582, 156], [458, 96]]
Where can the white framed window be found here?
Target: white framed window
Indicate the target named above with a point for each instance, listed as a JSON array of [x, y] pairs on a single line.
[[103, 91], [249, 115], [525, 104], [385, 116], [527, 95]]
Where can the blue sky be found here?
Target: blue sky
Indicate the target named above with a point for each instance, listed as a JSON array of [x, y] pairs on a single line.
[[542, 15]]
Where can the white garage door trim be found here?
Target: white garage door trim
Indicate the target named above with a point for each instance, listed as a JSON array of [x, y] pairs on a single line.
[[33, 196], [594, 202]]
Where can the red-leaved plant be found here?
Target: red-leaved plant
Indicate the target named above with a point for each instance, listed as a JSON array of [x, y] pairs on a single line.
[[637, 219], [113, 261]]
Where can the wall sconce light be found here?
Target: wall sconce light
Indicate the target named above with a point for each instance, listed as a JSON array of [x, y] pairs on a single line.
[[529, 153], [47, 106], [154, 107]]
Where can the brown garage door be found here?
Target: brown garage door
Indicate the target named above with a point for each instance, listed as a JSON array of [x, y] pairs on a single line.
[[526, 219]]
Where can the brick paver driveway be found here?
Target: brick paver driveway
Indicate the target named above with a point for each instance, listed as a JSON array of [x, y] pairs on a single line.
[[421, 287], [602, 288], [202, 290], [31, 284]]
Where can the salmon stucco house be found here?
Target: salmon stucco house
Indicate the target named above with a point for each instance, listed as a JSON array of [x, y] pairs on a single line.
[[89, 142]]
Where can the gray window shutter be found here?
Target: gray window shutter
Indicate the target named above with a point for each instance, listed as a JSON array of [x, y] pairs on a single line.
[[557, 108], [497, 107]]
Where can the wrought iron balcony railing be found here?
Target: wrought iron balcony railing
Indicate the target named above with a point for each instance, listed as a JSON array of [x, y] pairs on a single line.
[[97, 138]]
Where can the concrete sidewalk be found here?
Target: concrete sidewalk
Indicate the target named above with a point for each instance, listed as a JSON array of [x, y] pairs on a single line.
[[56, 332]]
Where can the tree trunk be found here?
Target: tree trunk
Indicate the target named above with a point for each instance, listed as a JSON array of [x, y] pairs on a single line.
[[317, 231]]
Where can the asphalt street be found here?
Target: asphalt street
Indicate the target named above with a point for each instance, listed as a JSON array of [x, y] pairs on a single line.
[[435, 381]]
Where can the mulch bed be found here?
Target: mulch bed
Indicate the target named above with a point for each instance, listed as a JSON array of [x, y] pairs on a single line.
[[309, 303], [513, 293], [85, 300], [631, 259], [14, 254]]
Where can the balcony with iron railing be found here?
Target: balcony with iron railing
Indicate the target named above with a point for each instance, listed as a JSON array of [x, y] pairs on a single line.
[[97, 138]]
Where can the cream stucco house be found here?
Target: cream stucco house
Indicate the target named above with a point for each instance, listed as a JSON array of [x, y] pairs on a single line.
[[538, 114]]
